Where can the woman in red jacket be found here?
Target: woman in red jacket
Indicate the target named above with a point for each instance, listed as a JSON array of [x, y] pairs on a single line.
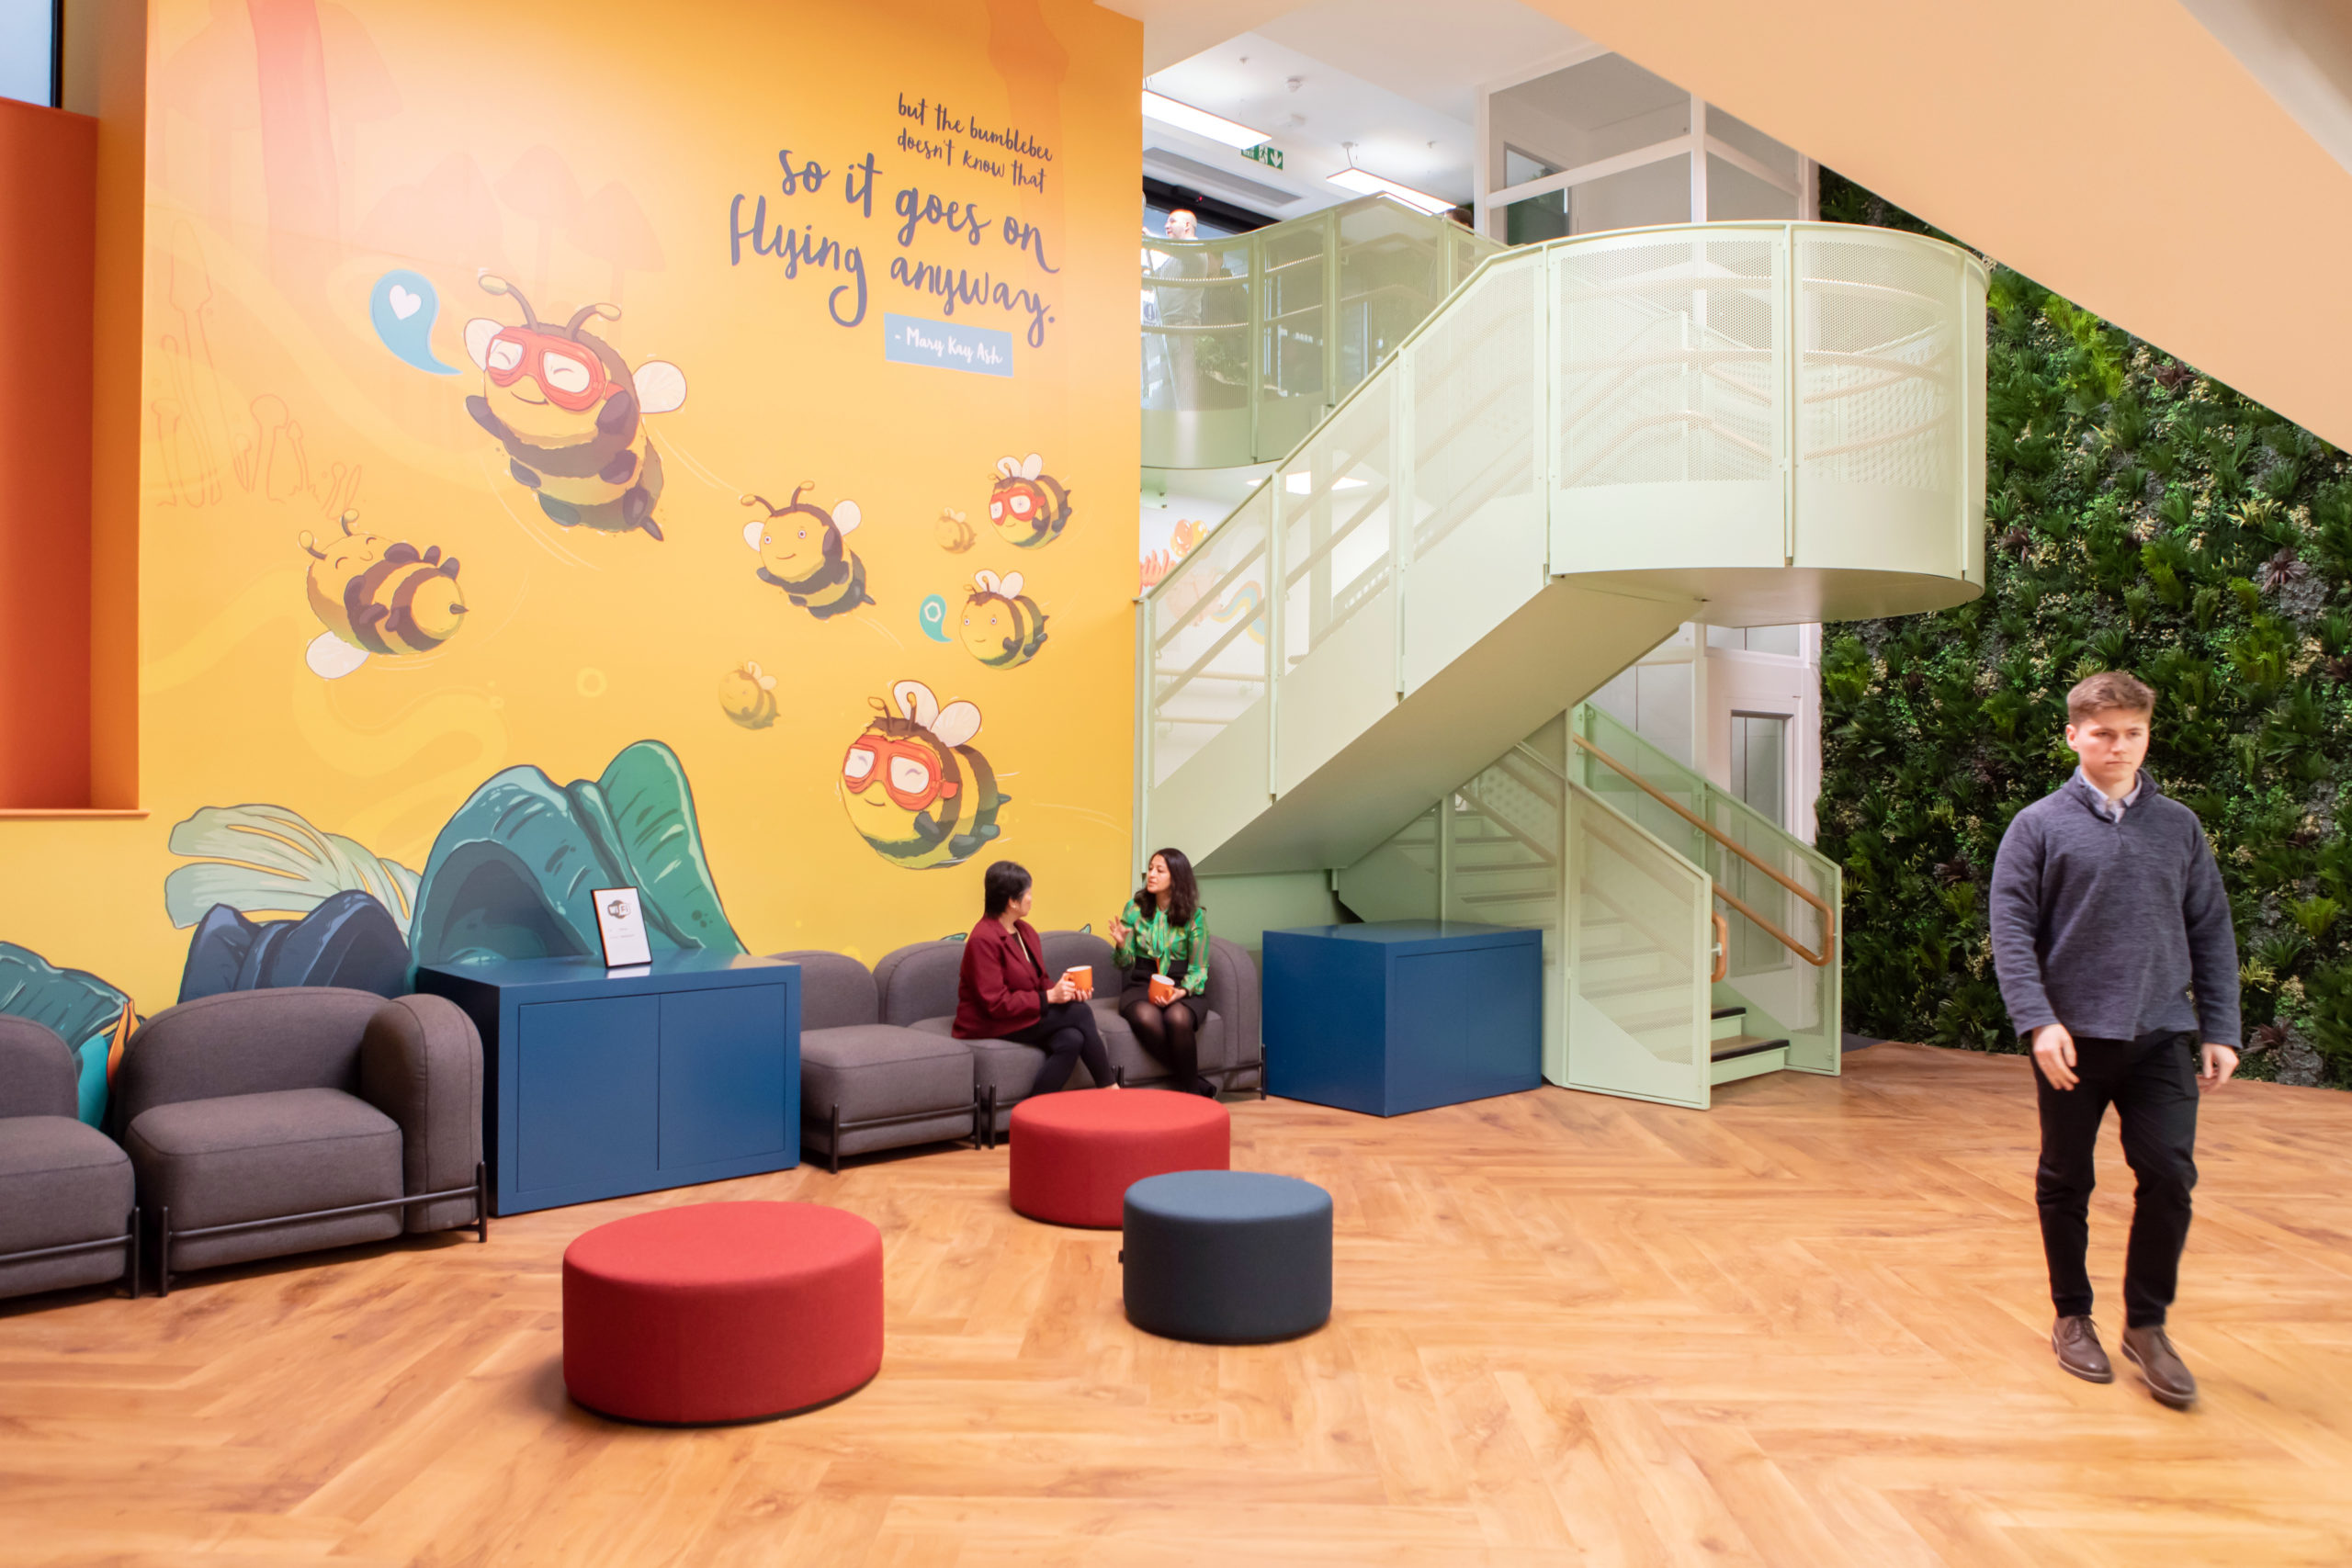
[[1002, 993]]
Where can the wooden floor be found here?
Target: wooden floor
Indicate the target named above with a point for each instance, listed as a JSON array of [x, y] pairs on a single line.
[[1807, 1328]]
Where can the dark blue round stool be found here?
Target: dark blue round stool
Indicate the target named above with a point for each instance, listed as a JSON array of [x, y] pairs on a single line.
[[1227, 1256]]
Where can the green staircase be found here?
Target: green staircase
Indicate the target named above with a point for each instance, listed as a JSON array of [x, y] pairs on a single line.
[[1373, 667]]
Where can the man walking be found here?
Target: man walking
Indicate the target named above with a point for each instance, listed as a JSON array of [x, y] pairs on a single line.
[[2111, 937]]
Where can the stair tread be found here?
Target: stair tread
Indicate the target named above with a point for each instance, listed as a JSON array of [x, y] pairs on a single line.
[[1741, 1046], [1728, 1012]]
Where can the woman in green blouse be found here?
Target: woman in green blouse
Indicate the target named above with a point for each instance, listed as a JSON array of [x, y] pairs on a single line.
[[1164, 930]]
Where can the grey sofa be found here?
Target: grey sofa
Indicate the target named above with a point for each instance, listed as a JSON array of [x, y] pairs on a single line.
[[271, 1122], [865, 1085], [918, 987], [66, 1217]]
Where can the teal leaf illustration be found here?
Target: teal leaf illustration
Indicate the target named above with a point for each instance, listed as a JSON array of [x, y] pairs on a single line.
[[653, 809], [82, 1009], [267, 860], [512, 875]]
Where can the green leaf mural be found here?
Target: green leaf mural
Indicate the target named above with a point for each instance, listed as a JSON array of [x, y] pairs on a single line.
[[267, 860], [511, 874], [84, 1011], [2141, 516]]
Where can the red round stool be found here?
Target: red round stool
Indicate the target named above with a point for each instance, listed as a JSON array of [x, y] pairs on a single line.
[[1076, 1153], [721, 1311]]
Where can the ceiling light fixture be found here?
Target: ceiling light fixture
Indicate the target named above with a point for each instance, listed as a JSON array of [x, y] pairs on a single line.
[[1200, 122], [1369, 184]]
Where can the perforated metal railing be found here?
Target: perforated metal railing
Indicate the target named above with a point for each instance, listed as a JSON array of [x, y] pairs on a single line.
[[1726, 394]]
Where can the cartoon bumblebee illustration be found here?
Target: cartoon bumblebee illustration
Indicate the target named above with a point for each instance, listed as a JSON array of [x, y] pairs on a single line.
[[747, 696], [570, 414], [953, 534], [917, 792], [801, 552], [1003, 626], [1028, 505], [377, 595]]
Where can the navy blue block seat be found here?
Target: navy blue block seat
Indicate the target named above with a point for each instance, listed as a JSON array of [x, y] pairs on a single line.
[[1227, 1256]]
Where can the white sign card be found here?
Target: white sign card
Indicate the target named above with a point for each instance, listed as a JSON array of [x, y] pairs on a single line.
[[622, 925]]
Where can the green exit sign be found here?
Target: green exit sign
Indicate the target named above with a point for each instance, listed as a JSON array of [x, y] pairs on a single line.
[[1265, 152]]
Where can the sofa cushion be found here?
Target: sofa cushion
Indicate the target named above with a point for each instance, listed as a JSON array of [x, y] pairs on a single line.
[[1001, 1065], [38, 1073], [244, 1043], [1067, 949], [252, 1156], [59, 1183], [836, 990], [873, 1070], [919, 982]]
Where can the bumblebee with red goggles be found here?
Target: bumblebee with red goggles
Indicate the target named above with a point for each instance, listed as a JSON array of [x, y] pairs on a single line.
[[569, 412], [1028, 505], [918, 793]]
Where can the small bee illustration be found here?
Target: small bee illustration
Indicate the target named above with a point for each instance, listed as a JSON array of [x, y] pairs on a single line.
[[747, 696], [954, 535], [569, 412], [1028, 505], [377, 595], [1003, 627], [917, 792], [801, 552]]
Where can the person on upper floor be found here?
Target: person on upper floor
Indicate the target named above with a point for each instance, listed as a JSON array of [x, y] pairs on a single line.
[[1163, 935], [1003, 993]]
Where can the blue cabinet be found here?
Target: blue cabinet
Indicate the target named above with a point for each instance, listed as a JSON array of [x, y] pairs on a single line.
[[601, 1082], [1402, 1015]]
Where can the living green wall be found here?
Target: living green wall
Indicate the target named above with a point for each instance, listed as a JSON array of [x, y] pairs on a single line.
[[2140, 516]]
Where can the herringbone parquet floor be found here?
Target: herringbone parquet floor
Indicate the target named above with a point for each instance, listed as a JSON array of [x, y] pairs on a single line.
[[1807, 1328]]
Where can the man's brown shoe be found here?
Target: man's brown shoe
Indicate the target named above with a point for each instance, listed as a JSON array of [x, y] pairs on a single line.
[[2161, 1368], [2078, 1348]]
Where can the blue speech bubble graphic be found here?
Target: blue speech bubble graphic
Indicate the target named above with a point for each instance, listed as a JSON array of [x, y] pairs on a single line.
[[933, 614], [403, 305]]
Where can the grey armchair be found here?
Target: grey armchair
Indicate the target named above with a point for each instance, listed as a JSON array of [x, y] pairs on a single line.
[[65, 1188], [271, 1122]]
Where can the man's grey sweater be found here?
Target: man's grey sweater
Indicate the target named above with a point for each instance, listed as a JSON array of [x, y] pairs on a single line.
[[2107, 927]]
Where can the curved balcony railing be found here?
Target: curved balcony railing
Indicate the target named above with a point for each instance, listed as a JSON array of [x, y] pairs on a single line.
[[1247, 342], [1783, 421]]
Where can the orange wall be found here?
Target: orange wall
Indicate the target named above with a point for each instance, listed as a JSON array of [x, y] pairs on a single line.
[[48, 257]]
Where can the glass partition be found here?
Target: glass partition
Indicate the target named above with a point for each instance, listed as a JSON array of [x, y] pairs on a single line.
[[1247, 342]]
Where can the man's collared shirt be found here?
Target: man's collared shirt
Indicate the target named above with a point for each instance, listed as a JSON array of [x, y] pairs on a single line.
[[2110, 809]]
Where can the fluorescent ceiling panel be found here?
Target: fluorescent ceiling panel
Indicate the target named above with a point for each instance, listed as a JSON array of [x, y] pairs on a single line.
[[1200, 122], [1373, 185]]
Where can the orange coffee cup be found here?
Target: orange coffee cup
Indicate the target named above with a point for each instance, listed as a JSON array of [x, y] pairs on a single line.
[[1163, 991], [1081, 976]]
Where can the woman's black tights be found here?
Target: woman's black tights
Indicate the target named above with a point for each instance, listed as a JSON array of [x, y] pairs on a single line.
[[1168, 1032], [1066, 1031]]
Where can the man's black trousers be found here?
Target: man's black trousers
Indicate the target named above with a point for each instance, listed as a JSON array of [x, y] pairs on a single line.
[[2152, 1085]]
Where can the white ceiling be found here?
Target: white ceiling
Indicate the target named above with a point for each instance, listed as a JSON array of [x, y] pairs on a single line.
[[1397, 78]]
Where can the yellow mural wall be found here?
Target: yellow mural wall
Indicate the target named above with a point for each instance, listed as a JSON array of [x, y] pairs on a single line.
[[552, 289]]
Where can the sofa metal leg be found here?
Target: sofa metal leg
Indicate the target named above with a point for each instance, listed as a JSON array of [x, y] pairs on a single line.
[[992, 1118], [132, 1261], [164, 1250], [833, 1141], [481, 1203]]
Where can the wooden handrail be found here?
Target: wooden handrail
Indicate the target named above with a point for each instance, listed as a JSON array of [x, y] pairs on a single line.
[[1723, 948], [1828, 920]]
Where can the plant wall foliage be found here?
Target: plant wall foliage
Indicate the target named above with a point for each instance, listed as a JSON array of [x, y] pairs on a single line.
[[2139, 516]]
